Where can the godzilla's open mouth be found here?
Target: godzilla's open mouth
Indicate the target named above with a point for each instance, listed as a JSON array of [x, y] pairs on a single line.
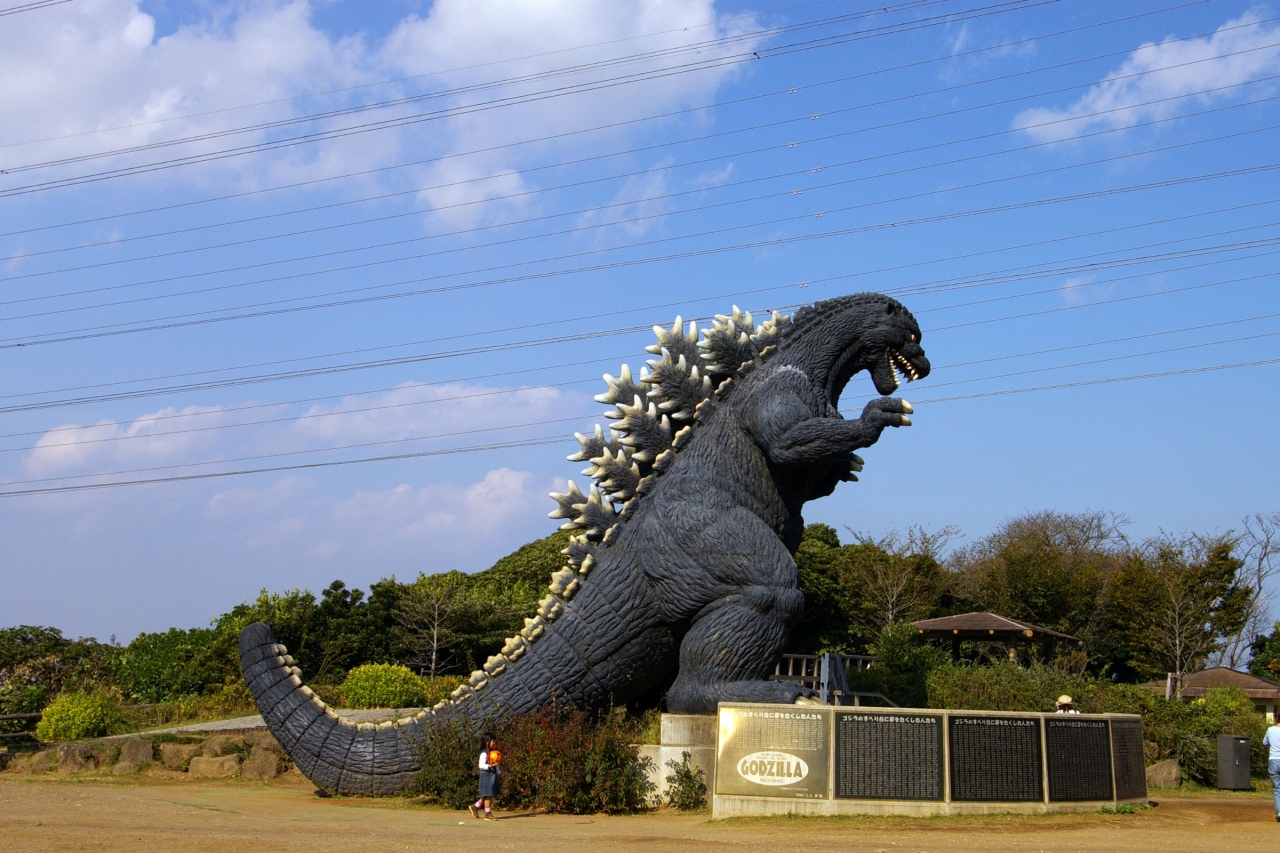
[[900, 366]]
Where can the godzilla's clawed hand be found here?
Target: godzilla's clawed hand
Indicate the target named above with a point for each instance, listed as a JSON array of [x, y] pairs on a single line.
[[887, 411], [854, 461]]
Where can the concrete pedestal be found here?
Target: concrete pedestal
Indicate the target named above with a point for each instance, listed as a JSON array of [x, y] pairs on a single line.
[[681, 733]]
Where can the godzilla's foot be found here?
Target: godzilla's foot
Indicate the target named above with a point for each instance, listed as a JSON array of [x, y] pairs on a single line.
[[686, 697]]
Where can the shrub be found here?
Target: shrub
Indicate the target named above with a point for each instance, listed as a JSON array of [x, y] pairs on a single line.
[[77, 716], [232, 699], [384, 685], [1187, 731], [439, 688], [686, 786], [902, 667], [554, 759], [163, 667]]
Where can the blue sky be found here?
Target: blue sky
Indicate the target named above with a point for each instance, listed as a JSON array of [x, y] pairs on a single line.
[[251, 237]]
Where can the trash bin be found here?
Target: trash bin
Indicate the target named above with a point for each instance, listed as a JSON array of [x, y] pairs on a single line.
[[1233, 763]]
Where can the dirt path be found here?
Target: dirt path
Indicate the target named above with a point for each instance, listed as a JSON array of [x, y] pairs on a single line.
[[102, 814]]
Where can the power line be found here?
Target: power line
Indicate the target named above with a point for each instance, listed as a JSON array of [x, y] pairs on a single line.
[[30, 7], [1039, 268], [627, 330], [670, 114], [309, 416], [700, 161], [385, 442], [557, 439], [345, 89], [623, 204], [694, 47], [563, 91], [187, 320]]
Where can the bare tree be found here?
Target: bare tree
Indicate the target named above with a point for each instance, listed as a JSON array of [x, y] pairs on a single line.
[[1260, 550], [896, 584], [429, 616]]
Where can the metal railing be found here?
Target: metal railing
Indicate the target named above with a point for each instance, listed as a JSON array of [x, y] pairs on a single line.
[[36, 716], [828, 674]]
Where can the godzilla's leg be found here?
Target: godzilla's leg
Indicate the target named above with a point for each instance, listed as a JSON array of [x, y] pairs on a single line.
[[728, 652]]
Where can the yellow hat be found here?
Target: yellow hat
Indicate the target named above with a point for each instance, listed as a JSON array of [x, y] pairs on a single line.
[[1064, 699]]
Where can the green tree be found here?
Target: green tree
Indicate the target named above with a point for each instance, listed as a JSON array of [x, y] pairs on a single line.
[[826, 625], [37, 663], [1050, 569], [163, 666], [1265, 662], [1176, 599]]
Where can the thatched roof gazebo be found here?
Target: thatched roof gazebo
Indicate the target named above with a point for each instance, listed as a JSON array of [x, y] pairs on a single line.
[[988, 628]]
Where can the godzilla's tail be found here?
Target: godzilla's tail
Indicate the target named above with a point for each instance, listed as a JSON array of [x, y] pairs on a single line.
[[338, 755]]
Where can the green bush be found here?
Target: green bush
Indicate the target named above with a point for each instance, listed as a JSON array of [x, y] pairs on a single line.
[[77, 716], [163, 667], [686, 786], [558, 760], [1185, 730], [232, 699], [439, 688], [384, 685]]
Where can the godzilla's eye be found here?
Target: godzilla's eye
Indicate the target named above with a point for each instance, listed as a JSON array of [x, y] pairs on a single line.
[[915, 339]]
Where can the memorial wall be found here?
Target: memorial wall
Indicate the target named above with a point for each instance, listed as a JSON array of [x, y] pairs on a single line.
[[774, 759]]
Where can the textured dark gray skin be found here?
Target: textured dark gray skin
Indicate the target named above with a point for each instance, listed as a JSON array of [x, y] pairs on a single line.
[[695, 576]]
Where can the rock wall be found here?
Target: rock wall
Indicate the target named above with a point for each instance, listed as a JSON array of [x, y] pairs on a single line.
[[249, 755]]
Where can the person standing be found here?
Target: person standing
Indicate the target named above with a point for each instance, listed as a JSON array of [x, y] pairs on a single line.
[[1066, 705], [490, 783], [1272, 742]]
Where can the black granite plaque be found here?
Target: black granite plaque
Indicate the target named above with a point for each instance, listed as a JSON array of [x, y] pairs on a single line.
[[995, 759], [888, 756], [1130, 764], [1079, 755]]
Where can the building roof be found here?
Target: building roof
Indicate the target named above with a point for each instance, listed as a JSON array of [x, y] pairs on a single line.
[[1197, 684], [986, 626]]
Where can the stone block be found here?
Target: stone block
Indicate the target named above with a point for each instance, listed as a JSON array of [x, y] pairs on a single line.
[[263, 738], [265, 763], [213, 746], [44, 761], [1164, 774], [125, 768], [175, 756], [76, 758], [700, 758], [202, 767], [136, 750], [689, 729]]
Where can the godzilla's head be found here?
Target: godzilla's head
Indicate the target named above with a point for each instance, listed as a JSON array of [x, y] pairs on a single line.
[[838, 338]]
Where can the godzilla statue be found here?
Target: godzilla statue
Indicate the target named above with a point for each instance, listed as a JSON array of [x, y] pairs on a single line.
[[683, 557]]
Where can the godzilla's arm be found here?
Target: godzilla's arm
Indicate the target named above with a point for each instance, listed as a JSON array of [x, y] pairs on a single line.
[[786, 428]]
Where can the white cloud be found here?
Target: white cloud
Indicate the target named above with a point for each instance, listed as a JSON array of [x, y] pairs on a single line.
[[96, 64], [634, 211], [544, 36], [417, 410], [1122, 100], [439, 509], [153, 438]]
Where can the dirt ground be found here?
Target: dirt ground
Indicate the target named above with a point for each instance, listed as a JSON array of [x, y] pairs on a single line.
[[94, 813]]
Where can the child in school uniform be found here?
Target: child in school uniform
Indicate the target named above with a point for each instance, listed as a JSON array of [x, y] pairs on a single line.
[[490, 783]]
